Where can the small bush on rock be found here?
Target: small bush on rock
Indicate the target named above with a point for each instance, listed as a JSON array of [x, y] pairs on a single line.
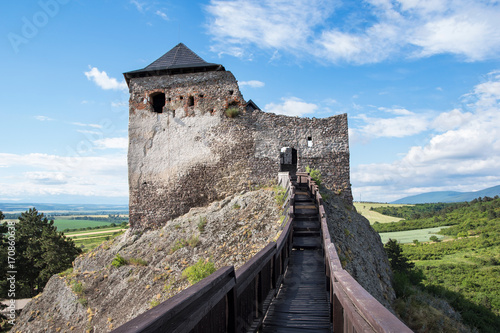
[[119, 261], [315, 174], [232, 112], [199, 271]]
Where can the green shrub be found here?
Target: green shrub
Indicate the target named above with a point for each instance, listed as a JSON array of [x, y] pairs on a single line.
[[137, 262], [202, 223], [67, 272], [119, 261], [434, 238], [154, 302], [199, 271], [83, 301], [77, 287], [279, 195], [232, 112], [193, 241], [315, 174], [179, 244]]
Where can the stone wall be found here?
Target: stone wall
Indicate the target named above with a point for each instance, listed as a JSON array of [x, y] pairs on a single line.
[[192, 153]]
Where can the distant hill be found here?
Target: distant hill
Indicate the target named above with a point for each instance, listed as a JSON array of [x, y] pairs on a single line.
[[8, 207], [448, 196]]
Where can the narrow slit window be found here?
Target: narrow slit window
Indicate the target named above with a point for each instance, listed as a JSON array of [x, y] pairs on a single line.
[[158, 102], [191, 101], [309, 141]]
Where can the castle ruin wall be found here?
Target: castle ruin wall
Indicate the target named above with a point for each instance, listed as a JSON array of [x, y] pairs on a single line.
[[191, 153]]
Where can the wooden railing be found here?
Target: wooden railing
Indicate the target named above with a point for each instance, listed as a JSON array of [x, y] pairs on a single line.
[[227, 300], [237, 301], [353, 309]]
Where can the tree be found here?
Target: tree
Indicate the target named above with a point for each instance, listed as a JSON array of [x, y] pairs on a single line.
[[40, 252], [315, 174], [399, 262], [404, 274]]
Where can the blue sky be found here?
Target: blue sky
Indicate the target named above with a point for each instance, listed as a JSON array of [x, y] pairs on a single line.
[[419, 80]]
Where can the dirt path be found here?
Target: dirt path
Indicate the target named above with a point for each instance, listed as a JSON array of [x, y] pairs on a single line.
[[95, 233]]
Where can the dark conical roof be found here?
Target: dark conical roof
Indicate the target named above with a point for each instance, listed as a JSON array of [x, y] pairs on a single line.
[[178, 60], [179, 56]]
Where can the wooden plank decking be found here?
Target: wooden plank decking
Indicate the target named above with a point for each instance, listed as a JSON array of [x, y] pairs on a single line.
[[301, 304]]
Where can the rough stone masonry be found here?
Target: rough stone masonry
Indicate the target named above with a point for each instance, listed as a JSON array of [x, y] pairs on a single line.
[[185, 151]]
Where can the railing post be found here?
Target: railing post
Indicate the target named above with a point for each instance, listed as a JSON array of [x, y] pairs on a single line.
[[231, 310], [338, 315]]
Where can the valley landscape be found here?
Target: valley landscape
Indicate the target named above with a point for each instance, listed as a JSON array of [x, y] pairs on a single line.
[[455, 248], [155, 145]]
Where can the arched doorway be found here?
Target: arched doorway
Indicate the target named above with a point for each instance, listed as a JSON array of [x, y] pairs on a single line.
[[288, 160]]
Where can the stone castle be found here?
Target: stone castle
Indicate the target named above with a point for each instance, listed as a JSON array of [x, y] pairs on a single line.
[[187, 150]]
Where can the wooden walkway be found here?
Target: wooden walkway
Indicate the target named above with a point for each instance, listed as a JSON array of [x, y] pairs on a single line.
[[302, 304]]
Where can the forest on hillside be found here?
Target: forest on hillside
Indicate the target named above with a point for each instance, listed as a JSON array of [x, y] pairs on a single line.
[[464, 269]]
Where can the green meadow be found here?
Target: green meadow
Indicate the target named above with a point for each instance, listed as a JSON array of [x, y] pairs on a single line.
[[422, 235], [63, 224]]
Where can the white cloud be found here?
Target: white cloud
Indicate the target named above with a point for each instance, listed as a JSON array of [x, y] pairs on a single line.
[[407, 124], [138, 4], [267, 24], [104, 81], [386, 29], [43, 118], [119, 104], [464, 157], [47, 178], [45, 174], [450, 120], [112, 143], [252, 83], [291, 106], [162, 15], [397, 111], [86, 125]]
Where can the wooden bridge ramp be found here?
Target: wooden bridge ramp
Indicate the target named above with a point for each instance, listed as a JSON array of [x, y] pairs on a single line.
[[302, 303]]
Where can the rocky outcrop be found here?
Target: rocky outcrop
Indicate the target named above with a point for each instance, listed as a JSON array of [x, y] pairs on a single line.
[[98, 297], [359, 248]]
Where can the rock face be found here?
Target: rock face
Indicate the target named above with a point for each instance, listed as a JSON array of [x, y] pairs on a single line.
[[98, 297], [188, 152], [359, 248]]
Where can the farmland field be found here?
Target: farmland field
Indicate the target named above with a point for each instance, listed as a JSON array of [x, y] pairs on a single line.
[[422, 235], [87, 240], [364, 209], [62, 224]]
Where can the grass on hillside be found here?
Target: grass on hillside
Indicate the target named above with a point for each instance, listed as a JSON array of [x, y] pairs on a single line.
[[363, 208]]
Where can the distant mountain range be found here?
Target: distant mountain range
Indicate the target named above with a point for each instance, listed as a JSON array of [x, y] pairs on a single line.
[[449, 196], [8, 207]]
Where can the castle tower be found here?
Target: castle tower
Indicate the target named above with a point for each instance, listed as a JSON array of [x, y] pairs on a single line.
[[186, 150]]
